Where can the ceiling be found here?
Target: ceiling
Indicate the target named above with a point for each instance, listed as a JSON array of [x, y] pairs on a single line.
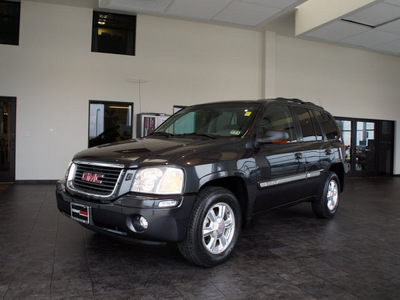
[[374, 27], [247, 13]]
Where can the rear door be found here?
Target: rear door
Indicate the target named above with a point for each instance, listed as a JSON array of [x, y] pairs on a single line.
[[312, 150], [329, 150]]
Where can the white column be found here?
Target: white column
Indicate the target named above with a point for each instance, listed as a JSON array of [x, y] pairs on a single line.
[[269, 70]]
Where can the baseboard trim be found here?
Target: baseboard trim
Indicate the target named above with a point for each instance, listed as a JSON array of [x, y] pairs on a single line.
[[35, 181]]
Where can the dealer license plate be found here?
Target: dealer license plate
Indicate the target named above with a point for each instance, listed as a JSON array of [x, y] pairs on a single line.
[[80, 213]]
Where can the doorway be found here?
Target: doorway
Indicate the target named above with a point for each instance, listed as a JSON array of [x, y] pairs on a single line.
[[7, 138], [369, 146]]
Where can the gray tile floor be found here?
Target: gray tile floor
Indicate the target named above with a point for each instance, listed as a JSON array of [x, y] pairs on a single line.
[[284, 255]]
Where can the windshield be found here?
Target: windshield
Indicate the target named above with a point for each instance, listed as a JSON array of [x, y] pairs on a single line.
[[214, 120]]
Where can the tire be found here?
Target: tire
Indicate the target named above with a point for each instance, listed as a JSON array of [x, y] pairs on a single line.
[[214, 228], [327, 205]]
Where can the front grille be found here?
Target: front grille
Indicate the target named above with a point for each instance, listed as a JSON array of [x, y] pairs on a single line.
[[96, 180]]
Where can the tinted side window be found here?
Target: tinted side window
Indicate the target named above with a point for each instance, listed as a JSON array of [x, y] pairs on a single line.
[[279, 117], [306, 124], [317, 128], [328, 125]]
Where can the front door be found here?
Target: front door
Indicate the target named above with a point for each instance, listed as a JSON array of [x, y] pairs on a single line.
[[282, 166], [7, 139]]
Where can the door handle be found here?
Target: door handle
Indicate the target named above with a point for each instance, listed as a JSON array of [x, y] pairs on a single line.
[[298, 155], [328, 151]]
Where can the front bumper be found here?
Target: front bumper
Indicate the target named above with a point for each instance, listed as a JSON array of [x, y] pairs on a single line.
[[117, 218]]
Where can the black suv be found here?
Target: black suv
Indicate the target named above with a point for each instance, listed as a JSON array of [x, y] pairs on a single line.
[[205, 172]]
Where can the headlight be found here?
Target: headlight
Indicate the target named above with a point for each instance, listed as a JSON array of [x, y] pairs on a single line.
[[70, 173], [158, 180], [68, 169]]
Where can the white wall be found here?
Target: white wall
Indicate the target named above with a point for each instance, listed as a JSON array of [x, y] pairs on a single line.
[[54, 74], [346, 82]]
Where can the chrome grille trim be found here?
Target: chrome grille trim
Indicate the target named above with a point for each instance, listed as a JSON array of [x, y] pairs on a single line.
[[108, 184]]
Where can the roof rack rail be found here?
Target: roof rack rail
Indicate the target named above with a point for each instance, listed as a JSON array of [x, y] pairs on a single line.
[[295, 100], [310, 103]]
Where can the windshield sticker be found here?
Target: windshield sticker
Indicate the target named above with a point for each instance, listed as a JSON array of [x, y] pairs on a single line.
[[235, 132], [247, 114]]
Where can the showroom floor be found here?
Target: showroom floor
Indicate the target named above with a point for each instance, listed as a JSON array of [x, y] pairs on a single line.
[[287, 254]]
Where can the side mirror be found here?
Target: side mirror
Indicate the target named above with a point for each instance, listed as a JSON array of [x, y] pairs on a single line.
[[274, 136]]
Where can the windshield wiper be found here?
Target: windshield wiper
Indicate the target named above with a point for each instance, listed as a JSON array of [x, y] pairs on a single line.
[[163, 133], [200, 134], [169, 135]]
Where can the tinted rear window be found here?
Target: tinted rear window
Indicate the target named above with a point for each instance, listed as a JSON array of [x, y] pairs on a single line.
[[328, 125], [306, 124]]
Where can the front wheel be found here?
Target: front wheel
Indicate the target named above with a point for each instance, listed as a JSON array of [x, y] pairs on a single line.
[[327, 205], [214, 228]]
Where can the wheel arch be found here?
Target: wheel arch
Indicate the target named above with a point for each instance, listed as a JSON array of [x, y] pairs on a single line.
[[339, 170], [237, 186]]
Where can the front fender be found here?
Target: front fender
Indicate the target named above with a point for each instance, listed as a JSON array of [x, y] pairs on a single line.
[[240, 177]]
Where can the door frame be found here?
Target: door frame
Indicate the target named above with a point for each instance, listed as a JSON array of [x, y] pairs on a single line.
[[377, 136], [10, 175]]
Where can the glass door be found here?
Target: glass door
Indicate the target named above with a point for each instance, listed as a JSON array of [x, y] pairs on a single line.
[[385, 147], [369, 146], [365, 153], [359, 140], [7, 139]]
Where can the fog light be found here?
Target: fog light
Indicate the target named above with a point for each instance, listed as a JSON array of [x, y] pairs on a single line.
[[138, 224], [143, 222]]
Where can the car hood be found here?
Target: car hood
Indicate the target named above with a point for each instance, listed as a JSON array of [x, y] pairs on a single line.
[[162, 151]]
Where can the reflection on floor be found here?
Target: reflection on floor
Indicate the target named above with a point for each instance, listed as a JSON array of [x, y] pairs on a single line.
[[4, 186], [288, 254]]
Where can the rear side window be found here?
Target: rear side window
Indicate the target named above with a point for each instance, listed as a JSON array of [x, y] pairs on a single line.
[[279, 117], [306, 124], [328, 125], [317, 128]]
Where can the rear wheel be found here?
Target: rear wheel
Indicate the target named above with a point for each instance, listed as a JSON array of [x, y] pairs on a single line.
[[327, 205], [214, 228]]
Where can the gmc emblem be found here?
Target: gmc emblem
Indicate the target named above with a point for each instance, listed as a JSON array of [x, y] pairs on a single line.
[[92, 177]]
